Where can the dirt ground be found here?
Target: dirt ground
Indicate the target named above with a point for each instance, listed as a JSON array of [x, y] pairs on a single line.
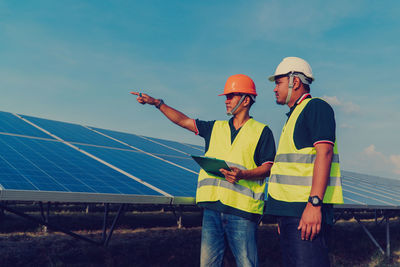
[[141, 241]]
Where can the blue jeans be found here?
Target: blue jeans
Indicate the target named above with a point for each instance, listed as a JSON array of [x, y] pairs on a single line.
[[240, 234], [297, 252]]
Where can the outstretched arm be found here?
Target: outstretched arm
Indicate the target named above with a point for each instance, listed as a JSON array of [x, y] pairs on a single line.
[[172, 114]]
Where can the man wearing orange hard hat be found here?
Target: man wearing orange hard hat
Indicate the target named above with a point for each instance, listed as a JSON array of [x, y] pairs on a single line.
[[232, 205]]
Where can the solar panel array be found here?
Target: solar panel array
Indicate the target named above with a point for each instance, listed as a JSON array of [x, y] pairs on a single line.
[[49, 160], [368, 191]]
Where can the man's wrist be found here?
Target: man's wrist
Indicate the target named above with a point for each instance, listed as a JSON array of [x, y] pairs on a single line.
[[314, 207], [242, 174], [315, 201], [159, 104]]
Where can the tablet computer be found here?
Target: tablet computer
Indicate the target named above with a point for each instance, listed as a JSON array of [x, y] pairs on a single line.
[[213, 165]]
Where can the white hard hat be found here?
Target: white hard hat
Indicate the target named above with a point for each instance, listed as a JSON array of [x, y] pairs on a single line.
[[294, 65]]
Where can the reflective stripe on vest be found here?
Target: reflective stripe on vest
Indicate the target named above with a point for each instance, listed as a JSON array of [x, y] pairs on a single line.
[[244, 195], [301, 158], [301, 180], [292, 172], [234, 187]]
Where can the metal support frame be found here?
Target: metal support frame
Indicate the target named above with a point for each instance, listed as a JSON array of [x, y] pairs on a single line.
[[381, 221], [387, 237], [2, 209], [45, 222], [45, 217], [105, 218], [386, 218], [178, 216], [116, 218]]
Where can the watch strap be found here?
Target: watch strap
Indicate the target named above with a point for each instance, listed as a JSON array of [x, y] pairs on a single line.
[[161, 102], [315, 201]]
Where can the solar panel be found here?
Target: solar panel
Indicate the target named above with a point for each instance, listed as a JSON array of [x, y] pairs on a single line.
[[34, 164], [73, 133], [372, 191], [11, 124], [187, 148], [79, 163], [58, 169], [169, 178], [174, 152]]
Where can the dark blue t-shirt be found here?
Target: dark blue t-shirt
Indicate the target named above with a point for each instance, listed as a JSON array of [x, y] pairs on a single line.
[[316, 123]]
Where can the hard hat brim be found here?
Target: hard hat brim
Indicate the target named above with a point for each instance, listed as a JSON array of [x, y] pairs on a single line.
[[272, 78], [245, 93]]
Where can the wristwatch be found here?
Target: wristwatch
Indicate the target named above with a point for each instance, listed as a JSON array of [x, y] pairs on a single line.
[[159, 103], [315, 201]]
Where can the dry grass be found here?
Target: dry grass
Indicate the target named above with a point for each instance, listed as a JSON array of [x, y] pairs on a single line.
[[152, 239]]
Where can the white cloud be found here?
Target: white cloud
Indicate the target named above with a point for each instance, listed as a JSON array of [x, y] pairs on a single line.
[[381, 162], [346, 107], [350, 107], [333, 100], [371, 151], [395, 159]]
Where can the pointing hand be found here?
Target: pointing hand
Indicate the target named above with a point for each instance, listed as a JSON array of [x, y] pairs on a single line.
[[144, 98]]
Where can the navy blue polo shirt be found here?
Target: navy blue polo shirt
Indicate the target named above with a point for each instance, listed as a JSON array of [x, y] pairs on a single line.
[[316, 124], [264, 153]]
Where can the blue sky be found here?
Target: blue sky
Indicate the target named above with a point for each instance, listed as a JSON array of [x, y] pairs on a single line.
[[77, 61]]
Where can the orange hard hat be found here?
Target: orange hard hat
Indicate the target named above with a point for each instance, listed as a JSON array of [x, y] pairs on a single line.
[[240, 83]]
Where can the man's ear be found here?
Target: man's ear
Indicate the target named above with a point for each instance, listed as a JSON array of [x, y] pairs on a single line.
[[296, 83], [246, 101]]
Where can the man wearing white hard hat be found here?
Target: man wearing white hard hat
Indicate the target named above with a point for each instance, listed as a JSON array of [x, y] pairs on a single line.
[[305, 178]]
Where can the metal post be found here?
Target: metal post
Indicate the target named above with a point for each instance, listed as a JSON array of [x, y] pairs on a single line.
[[104, 235], [48, 210], [2, 209], [178, 217], [387, 237], [113, 225], [179, 222], [44, 217], [42, 211]]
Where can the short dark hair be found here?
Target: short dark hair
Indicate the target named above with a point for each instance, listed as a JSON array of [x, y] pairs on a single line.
[[306, 86]]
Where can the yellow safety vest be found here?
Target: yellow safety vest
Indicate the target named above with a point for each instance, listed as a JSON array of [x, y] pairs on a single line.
[[244, 195], [292, 172]]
